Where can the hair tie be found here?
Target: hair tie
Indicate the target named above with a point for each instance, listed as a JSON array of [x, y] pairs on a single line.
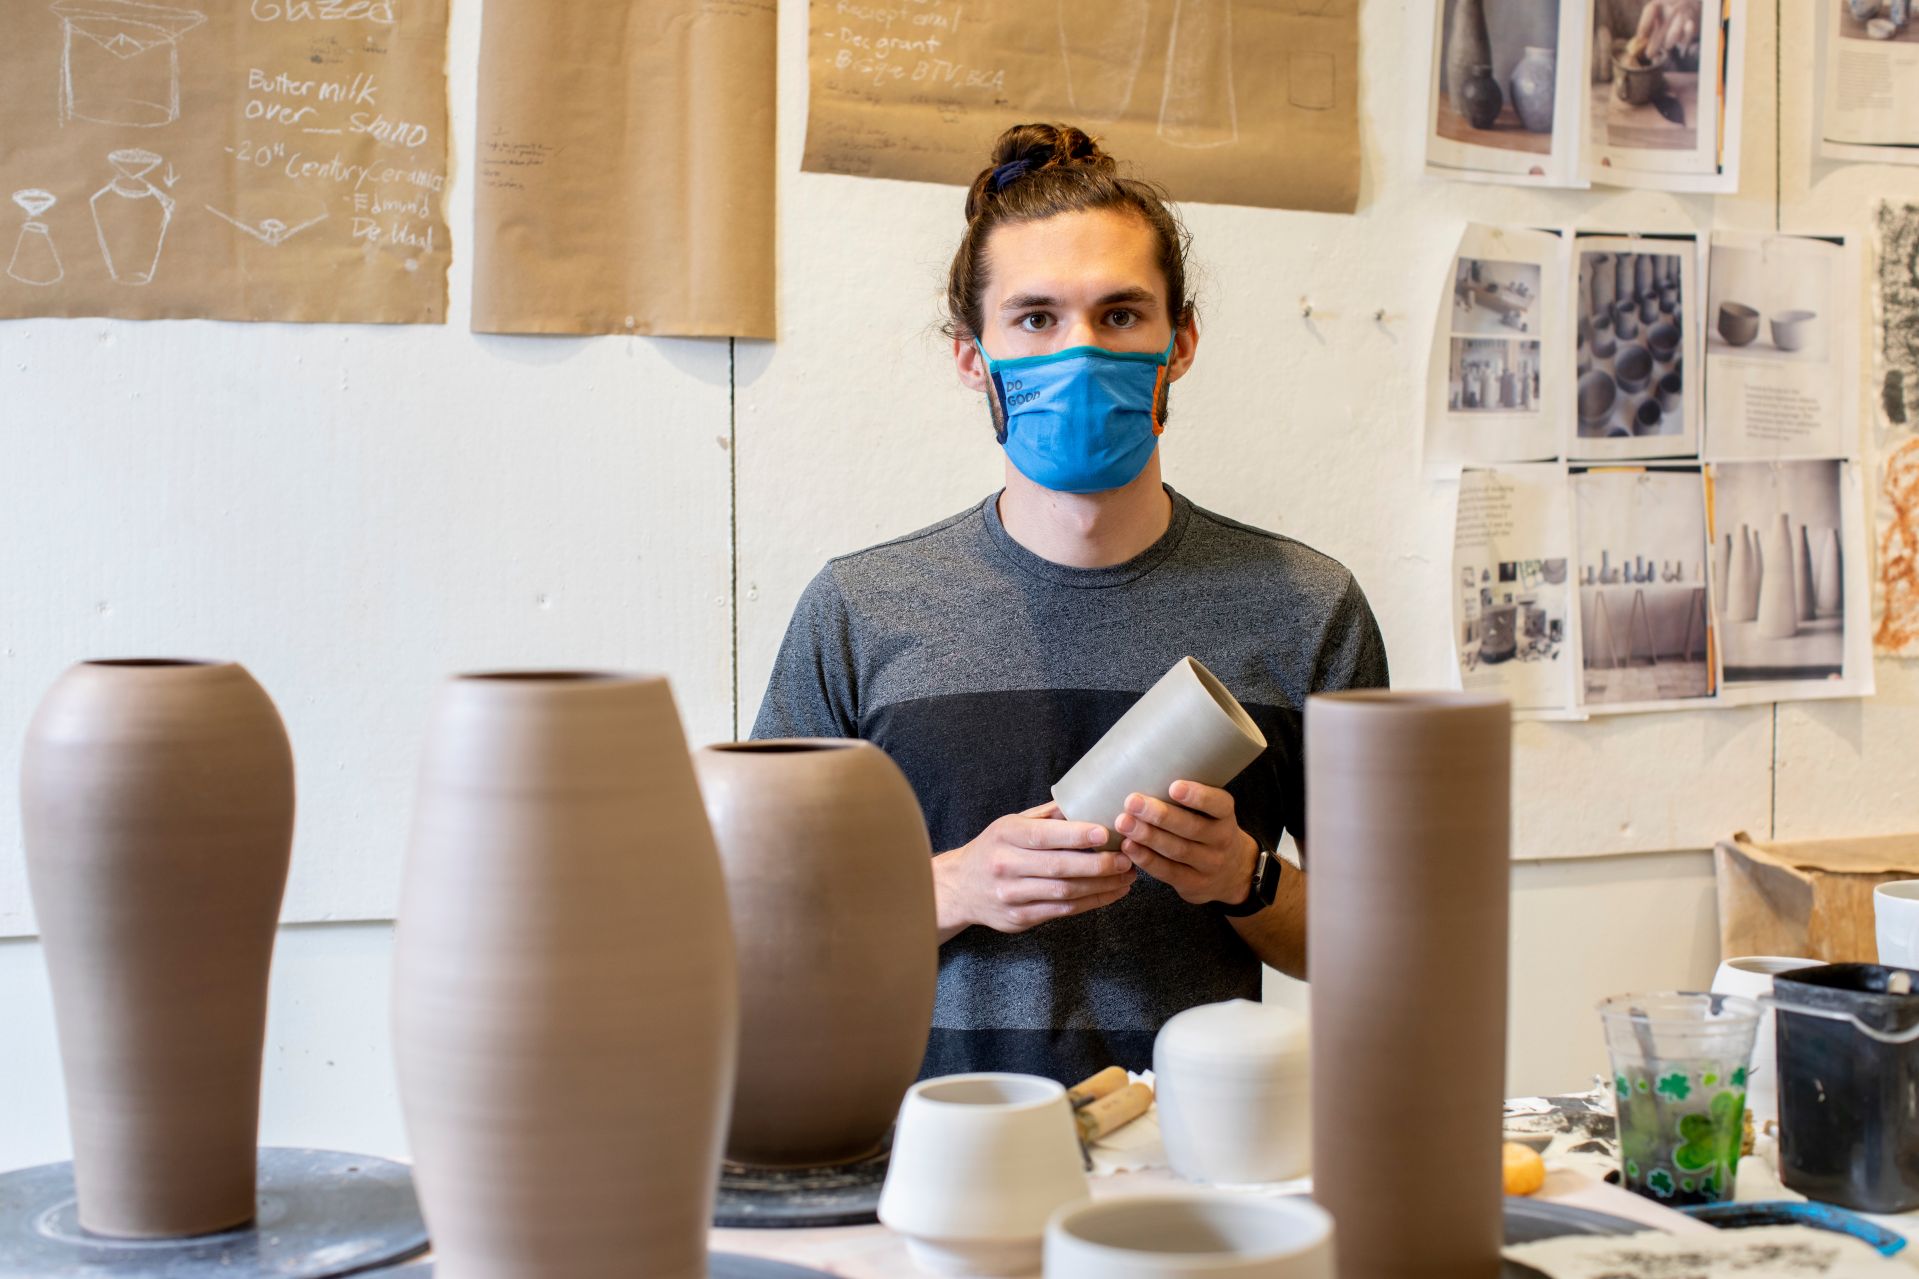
[[1011, 171]]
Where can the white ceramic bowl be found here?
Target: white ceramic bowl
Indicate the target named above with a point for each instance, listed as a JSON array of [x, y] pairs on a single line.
[[1751, 976], [1233, 1087], [1895, 914], [1182, 1236], [979, 1163]]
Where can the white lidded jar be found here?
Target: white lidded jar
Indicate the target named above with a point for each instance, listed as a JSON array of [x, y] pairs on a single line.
[[1232, 1083]]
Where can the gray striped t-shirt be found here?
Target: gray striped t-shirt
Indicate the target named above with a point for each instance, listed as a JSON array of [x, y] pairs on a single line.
[[985, 671]]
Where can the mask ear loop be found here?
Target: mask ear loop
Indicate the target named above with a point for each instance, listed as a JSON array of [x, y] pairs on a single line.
[[999, 391], [1159, 385]]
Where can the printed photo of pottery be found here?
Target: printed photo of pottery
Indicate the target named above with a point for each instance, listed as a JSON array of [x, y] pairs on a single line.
[[1498, 73], [1876, 20], [1520, 616], [1495, 299], [1493, 375], [1641, 101], [1768, 309], [1628, 345], [1645, 623], [1778, 568]]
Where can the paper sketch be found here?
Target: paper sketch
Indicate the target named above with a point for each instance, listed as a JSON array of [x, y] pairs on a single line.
[[271, 232], [1757, 1252], [35, 261], [1102, 48], [131, 216], [1198, 107], [120, 61], [1898, 630], [1898, 302]]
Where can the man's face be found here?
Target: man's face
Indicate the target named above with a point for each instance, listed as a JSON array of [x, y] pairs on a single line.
[[1074, 279]]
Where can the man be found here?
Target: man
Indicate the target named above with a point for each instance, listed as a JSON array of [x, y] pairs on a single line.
[[986, 653]]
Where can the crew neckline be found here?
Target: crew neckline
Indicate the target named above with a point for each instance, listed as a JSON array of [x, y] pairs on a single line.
[[1087, 578]]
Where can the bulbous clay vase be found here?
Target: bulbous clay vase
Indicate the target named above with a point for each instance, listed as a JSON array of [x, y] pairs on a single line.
[[1409, 804], [1535, 85], [157, 805], [1482, 96], [565, 999], [829, 875]]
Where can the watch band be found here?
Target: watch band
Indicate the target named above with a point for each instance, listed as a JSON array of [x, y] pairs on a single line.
[[1267, 869]]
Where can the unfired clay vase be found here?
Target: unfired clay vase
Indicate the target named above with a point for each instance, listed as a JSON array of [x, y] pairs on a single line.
[[979, 1163], [1408, 803], [157, 805], [1742, 600], [1802, 588], [1827, 589], [1778, 613], [830, 879], [565, 1001], [1232, 1082], [1186, 727]]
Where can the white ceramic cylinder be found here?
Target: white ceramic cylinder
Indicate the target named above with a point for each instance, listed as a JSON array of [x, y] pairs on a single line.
[[1827, 588], [1741, 583], [1176, 1236], [1751, 976], [1233, 1087], [979, 1163], [1186, 727], [1778, 612], [1895, 913]]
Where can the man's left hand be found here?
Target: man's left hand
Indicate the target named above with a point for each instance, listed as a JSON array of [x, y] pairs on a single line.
[[1194, 844]]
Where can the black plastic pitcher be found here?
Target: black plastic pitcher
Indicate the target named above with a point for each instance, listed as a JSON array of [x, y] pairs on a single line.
[[1849, 1085]]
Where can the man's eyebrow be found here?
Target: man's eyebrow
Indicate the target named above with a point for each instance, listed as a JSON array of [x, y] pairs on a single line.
[[1135, 293]]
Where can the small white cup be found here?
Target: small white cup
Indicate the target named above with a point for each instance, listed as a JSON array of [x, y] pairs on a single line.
[[1895, 914], [1186, 727], [1188, 1236], [1233, 1085], [1751, 976], [979, 1163]]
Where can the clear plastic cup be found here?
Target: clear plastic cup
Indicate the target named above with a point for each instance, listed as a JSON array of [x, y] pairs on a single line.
[[1680, 1060]]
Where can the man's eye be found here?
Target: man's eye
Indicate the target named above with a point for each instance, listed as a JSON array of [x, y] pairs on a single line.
[[1035, 322], [1122, 319]]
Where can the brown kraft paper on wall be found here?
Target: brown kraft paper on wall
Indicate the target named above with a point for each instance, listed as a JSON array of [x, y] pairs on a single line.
[[626, 168], [1223, 101], [237, 160], [1809, 900]]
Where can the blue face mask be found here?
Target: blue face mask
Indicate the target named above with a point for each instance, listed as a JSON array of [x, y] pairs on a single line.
[[1082, 420]]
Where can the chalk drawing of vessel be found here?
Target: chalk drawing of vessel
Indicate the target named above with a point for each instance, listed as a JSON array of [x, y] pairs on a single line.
[[1102, 46], [120, 61], [272, 232], [1197, 106], [35, 260], [131, 216]]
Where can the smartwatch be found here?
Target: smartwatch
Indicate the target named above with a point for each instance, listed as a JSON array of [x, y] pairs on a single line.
[[1265, 887]]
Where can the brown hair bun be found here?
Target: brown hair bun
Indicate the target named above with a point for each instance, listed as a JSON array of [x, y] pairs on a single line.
[[1041, 171]]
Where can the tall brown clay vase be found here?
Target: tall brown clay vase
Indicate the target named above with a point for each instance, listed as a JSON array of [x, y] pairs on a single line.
[[565, 1004], [157, 806], [1408, 806], [830, 877]]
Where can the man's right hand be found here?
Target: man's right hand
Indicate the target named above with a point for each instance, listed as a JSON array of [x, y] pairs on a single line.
[[1025, 869]]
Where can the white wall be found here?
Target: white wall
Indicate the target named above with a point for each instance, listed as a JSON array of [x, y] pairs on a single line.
[[355, 511]]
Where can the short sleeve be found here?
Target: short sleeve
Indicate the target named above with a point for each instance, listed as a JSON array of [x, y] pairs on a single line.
[[813, 688], [1352, 652]]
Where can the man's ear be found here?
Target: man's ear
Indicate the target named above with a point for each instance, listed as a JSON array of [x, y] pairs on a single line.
[[971, 364], [1185, 345]]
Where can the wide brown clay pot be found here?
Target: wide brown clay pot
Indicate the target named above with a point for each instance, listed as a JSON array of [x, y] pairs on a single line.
[[565, 999], [1408, 809], [157, 806], [830, 876]]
